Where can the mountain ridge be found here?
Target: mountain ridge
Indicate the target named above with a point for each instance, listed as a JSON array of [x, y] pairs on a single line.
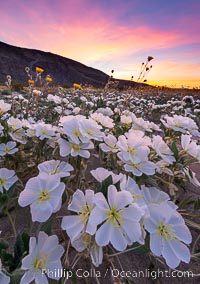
[[63, 70], [13, 61]]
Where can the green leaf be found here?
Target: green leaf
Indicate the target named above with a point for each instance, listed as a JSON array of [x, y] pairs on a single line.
[[174, 150], [46, 226], [16, 276], [3, 245], [26, 238], [103, 186], [7, 258], [64, 197], [185, 202], [141, 248], [197, 204], [3, 199]]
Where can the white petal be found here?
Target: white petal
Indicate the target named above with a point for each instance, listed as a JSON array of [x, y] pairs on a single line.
[[103, 234], [133, 212], [182, 233], [41, 279], [78, 201], [132, 229], [41, 212], [156, 244], [171, 259], [124, 198], [97, 216], [117, 239], [100, 201], [27, 277], [55, 266], [27, 197], [4, 279], [74, 230], [180, 250], [112, 196]]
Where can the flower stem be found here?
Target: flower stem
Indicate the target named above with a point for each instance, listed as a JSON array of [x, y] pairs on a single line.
[[11, 222], [121, 252]]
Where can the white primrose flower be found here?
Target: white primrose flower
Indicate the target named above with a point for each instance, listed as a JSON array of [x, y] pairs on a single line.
[[55, 168], [96, 254], [118, 219], [4, 107], [143, 167], [14, 123], [162, 149], [73, 149], [167, 233], [71, 128], [54, 98], [86, 241], [135, 191], [105, 111], [100, 174], [44, 195], [43, 131], [182, 124], [8, 148], [125, 119], [109, 144], [133, 146], [82, 205], [44, 255], [152, 195], [162, 167], [191, 176], [104, 120], [18, 135], [190, 146], [90, 129], [7, 179], [138, 123]]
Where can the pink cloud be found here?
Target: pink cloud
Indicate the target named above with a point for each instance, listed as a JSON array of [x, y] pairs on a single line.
[[85, 32]]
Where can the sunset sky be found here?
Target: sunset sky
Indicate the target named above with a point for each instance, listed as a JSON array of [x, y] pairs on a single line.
[[112, 34]]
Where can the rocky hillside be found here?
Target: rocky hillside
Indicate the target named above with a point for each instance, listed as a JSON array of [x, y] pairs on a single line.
[[13, 61]]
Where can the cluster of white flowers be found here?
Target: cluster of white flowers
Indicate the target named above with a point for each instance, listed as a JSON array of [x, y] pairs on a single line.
[[44, 192], [79, 132], [182, 124], [123, 205], [121, 217]]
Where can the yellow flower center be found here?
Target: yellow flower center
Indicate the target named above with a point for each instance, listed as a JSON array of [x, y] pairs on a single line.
[[86, 239], [44, 132], [137, 196], [44, 196], [18, 131], [54, 172], [165, 231], [176, 124], [90, 132], [76, 147], [6, 150], [114, 215], [134, 166], [131, 150], [41, 262], [85, 213], [76, 133], [2, 181]]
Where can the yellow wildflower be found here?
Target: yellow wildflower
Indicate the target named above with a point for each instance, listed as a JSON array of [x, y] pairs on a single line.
[[77, 86], [39, 70]]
